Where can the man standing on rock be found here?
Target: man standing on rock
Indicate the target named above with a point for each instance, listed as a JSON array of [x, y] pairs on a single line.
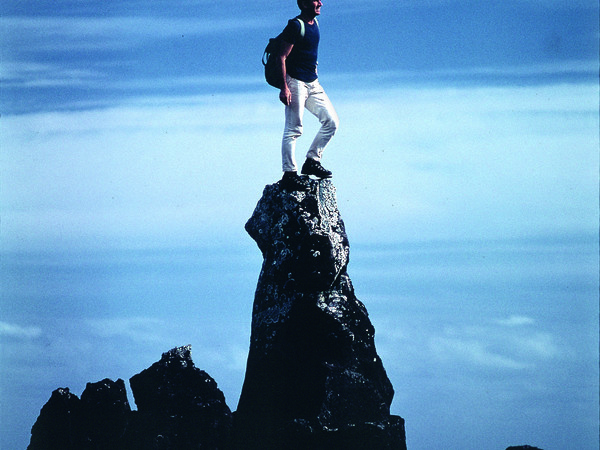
[[300, 90]]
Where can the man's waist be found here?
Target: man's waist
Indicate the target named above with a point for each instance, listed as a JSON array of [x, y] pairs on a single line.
[[303, 73]]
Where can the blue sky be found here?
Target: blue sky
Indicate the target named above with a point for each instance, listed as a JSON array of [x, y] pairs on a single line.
[[136, 139]]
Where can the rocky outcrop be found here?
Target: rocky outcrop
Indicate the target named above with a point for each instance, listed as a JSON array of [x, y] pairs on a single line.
[[58, 425], [313, 378], [523, 447], [96, 421], [105, 414], [179, 407]]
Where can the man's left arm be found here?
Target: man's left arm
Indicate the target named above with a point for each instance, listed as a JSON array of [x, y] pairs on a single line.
[[284, 94]]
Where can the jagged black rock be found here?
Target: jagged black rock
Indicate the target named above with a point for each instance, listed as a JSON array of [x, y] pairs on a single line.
[[179, 408], [313, 378]]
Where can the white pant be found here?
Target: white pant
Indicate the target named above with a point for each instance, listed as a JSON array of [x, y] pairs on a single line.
[[312, 97]]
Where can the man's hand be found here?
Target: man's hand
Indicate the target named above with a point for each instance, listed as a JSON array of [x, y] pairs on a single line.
[[285, 95]]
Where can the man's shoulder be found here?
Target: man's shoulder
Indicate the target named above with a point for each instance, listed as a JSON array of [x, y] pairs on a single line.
[[294, 22], [292, 30]]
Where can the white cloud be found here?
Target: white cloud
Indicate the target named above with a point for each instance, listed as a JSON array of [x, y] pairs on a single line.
[[137, 329], [41, 75], [512, 71], [539, 345], [516, 321], [499, 346], [460, 351], [18, 331], [94, 33]]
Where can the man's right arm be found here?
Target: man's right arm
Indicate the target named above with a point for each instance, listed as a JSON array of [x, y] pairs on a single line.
[[284, 95]]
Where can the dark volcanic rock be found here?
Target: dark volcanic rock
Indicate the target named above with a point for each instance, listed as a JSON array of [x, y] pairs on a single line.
[[523, 447], [313, 378], [97, 421], [57, 427], [179, 406], [105, 413]]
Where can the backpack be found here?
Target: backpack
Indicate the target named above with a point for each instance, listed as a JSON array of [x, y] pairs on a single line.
[[270, 59]]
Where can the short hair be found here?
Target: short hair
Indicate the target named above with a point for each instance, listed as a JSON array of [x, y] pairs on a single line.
[[300, 3]]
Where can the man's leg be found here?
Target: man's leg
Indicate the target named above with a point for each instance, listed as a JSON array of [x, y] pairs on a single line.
[[319, 104], [293, 129], [293, 124]]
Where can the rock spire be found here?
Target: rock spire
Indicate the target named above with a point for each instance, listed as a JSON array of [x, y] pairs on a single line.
[[314, 379]]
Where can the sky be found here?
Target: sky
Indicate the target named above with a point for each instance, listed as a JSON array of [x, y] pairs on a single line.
[[136, 139]]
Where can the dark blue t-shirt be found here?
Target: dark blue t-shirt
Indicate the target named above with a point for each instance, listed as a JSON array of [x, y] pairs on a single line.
[[302, 60]]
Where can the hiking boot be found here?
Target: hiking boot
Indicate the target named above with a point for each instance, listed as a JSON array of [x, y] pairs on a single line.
[[314, 167], [292, 182]]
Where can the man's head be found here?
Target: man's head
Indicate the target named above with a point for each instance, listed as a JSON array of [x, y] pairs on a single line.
[[310, 7]]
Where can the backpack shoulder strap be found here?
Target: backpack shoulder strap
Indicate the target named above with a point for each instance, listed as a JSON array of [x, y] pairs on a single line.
[[301, 22]]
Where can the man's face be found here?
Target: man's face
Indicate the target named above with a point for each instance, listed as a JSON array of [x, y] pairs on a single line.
[[313, 7]]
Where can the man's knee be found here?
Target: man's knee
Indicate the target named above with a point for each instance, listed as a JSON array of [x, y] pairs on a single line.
[[332, 123], [293, 133]]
